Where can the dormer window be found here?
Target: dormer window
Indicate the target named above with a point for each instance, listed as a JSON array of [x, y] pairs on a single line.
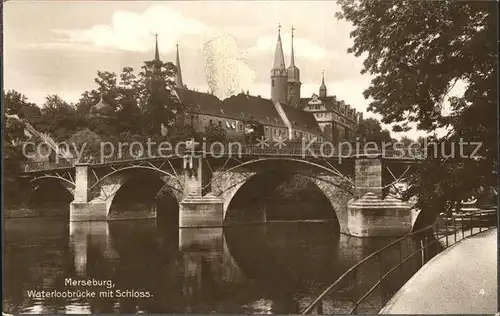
[[222, 111], [198, 107]]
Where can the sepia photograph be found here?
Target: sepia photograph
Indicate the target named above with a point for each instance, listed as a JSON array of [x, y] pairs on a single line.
[[250, 157]]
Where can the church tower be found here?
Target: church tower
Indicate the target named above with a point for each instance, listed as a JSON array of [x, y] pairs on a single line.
[[158, 82], [293, 80], [279, 74], [322, 88], [178, 75]]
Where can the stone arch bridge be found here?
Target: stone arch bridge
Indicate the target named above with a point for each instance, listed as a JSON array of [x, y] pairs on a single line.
[[204, 187]]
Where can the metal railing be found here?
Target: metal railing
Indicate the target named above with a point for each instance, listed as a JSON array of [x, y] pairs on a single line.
[[217, 150], [427, 242]]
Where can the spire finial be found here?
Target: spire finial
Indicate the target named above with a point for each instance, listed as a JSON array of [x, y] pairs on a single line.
[[157, 52], [322, 88], [292, 56], [279, 59], [178, 76]]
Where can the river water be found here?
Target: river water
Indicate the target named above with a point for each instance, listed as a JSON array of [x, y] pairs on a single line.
[[277, 267]]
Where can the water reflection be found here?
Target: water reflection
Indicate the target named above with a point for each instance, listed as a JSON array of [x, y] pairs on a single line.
[[277, 267]]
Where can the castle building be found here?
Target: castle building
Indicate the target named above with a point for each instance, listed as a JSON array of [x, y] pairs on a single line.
[[335, 118], [284, 116]]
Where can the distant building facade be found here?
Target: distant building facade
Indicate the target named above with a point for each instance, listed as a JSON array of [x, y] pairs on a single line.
[[286, 116], [279, 119]]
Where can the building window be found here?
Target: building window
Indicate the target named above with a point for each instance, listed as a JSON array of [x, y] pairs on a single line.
[[210, 123], [220, 124], [272, 82]]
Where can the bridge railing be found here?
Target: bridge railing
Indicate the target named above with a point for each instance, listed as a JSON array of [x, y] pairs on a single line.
[[217, 149], [427, 242], [46, 165], [324, 150]]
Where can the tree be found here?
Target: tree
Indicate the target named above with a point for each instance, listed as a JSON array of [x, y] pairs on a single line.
[[13, 137], [129, 113], [156, 98], [87, 142], [406, 141], [59, 118], [417, 51], [107, 87], [18, 104], [370, 130]]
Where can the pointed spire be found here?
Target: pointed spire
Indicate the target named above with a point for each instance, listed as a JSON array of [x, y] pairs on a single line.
[[279, 59], [178, 76], [292, 55], [322, 88], [157, 52]]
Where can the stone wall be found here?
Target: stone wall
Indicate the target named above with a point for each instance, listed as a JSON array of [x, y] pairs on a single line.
[[371, 216], [134, 211], [368, 177], [26, 212], [201, 212], [88, 211]]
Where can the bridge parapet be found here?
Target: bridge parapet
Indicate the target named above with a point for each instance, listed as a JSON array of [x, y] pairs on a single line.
[[236, 150]]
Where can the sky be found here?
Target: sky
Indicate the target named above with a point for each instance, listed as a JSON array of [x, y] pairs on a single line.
[[57, 47]]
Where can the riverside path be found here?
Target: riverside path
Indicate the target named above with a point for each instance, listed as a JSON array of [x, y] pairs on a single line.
[[460, 280]]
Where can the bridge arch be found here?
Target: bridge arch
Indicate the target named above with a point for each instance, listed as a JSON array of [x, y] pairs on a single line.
[[127, 169], [50, 194], [140, 193], [44, 179], [265, 174]]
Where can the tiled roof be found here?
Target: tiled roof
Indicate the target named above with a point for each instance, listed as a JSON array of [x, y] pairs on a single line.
[[200, 102], [259, 108], [301, 119], [244, 106], [241, 106]]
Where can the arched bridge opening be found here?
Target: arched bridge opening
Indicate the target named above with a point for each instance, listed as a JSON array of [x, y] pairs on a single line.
[[285, 191], [279, 196], [50, 196], [145, 195]]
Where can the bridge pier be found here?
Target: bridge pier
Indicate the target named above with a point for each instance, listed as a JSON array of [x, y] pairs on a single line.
[[199, 209], [82, 208], [369, 213]]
